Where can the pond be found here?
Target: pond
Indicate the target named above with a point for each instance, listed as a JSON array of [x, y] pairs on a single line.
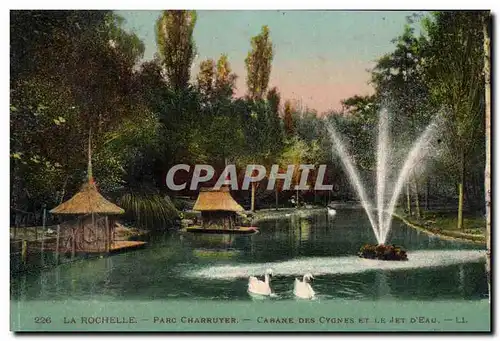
[[216, 267]]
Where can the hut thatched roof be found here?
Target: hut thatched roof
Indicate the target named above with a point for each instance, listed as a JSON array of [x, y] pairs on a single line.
[[216, 200], [87, 200]]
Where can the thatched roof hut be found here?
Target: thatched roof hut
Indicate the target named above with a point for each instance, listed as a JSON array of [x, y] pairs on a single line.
[[91, 231], [216, 200], [88, 200]]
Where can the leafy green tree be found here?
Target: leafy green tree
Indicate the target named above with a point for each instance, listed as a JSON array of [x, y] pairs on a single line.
[[274, 100], [35, 31], [359, 126], [81, 77], [206, 77], [258, 64], [225, 80], [297, 152], [288, 119], [174, 37], [399, 80], [222, 133], [454, 72], [216, 81]]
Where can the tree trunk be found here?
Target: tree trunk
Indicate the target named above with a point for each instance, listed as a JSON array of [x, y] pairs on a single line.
[[487, 174], [417, 201], [252, 205], [297, 199], [427, 188], [408, 199], [460, 219]]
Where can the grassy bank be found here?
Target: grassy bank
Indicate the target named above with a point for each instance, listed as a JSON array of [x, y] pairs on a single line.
[[444, 225]]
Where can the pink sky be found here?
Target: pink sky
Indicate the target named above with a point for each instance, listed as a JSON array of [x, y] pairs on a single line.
[[320, 57], [320, 85]]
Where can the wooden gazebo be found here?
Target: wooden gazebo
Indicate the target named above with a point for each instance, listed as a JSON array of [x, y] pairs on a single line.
[[218, 208], [93, 228]]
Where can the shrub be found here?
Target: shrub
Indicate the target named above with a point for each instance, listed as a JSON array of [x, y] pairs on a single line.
[[383, 252]]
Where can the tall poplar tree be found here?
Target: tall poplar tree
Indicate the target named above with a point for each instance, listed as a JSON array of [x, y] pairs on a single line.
[[174, 37], [258, 64]]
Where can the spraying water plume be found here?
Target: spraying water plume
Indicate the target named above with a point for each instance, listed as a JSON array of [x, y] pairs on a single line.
[[382, 224]]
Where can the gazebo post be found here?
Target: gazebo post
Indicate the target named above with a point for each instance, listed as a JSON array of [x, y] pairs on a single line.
[[94, 228], [73, 246], [108, 234]]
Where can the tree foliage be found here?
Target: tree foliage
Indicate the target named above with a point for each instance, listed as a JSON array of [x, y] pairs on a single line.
[[174, 37], [75, 71], [258, 64]]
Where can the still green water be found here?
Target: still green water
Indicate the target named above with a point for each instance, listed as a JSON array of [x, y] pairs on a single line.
[[216, 267]]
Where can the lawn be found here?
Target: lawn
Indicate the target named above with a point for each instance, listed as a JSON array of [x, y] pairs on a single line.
[[445, 223]]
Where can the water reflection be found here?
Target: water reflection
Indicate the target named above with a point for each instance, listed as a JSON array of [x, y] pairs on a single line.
[[305, 230], [382, 284], [461, 278], [172, 267]]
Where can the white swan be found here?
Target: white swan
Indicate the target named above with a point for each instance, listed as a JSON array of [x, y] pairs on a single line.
[[303, 289], [258, 287], [331, 211]]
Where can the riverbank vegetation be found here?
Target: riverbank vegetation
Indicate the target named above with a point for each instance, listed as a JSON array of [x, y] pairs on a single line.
[[444, 224], [76, 71]]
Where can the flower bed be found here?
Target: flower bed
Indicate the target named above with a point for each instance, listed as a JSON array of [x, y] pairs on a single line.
[[383, 252]]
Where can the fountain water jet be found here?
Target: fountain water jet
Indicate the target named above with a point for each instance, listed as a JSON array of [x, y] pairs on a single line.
[[382, 151], [380, 226], [355, 180], [417, 153]]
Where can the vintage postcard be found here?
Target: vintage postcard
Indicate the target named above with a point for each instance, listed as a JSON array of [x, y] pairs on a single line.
[[244, 171]]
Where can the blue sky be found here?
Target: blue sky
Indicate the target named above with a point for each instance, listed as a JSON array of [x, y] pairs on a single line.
[[320, 58]]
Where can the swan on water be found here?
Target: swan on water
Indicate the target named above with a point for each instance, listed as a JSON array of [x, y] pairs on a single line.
[[303, 289], [331, 211], [256, 286]]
